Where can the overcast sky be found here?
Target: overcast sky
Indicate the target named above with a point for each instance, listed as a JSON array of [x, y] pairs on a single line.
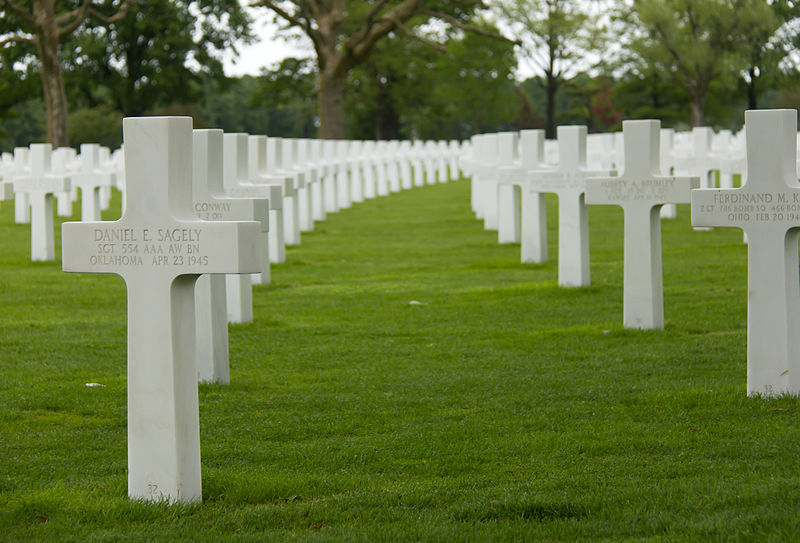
[[266, 50]]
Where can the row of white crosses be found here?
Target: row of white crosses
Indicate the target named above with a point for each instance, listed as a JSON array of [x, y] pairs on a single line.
[[197, 206], [766, 207], [313, 177]]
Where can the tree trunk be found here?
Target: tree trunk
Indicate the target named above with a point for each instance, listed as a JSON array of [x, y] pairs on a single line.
[[697, 110], [386, 118], [550, 107], [330, 102], [55, 95], [752, 101]]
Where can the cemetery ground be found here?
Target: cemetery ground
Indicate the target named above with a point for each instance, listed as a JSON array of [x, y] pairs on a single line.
[[406, 378]]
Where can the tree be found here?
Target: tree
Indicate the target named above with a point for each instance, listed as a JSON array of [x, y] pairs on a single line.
[[768, 50], [697, 42], [157, 56], [407, 89], [397, 78], [344, 34], [645, 93], [44, 25], [555, 37], [592, 102], [287, 94], [474, 91]]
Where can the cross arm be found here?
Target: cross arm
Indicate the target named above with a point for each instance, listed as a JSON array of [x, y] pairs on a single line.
[[511, 175], [654, 189], [170, 248], [719, 207]]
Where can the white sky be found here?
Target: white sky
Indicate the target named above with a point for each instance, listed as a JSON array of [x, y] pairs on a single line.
[[267, 50]]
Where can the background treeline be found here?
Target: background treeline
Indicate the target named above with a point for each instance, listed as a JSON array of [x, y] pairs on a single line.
[[599, 63]]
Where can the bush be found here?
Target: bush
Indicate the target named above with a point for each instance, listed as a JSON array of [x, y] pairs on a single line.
[[100, 124]]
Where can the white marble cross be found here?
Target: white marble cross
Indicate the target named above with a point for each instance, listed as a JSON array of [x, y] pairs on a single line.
[[484, 179], [568, 181], [510, 178], [390, 158], [160, 249], [211, 203], [668, 211], [363, 163], [90, 179], [22, 202], [344, 189], [417, 166], [40, 184], [767, 208], [441, 150], [257, 173], [353, 159], [522, 215], [454, 149], [289, 167], [318, 164], [429, 158], [329, 185], [291, 181], [406, 173], [704, 161], [306, 194], [533, 245], [236, 182], [379, 166], [641, 190], [62, 160]]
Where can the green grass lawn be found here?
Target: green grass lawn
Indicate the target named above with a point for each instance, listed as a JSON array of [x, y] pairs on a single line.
[[498, 408]]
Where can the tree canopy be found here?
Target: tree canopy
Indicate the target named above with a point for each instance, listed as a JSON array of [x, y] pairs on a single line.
[[393, 68]]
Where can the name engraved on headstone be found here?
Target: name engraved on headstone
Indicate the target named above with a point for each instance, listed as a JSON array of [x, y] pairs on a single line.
[[760, 207], [157, 246], [212, 211], [633, 191]]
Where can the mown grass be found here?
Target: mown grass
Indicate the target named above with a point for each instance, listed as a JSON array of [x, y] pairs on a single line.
[[500, 407]]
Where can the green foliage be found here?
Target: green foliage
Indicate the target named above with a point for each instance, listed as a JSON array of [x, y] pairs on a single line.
[[289, 94], [397, 79], [407, 89], [651, 95], [556, 36], [476, 91], [158, 55], [227, 105], [101, 125], [499, 408], [23, 125], [22, 118], [698, 42], [591, 104]]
